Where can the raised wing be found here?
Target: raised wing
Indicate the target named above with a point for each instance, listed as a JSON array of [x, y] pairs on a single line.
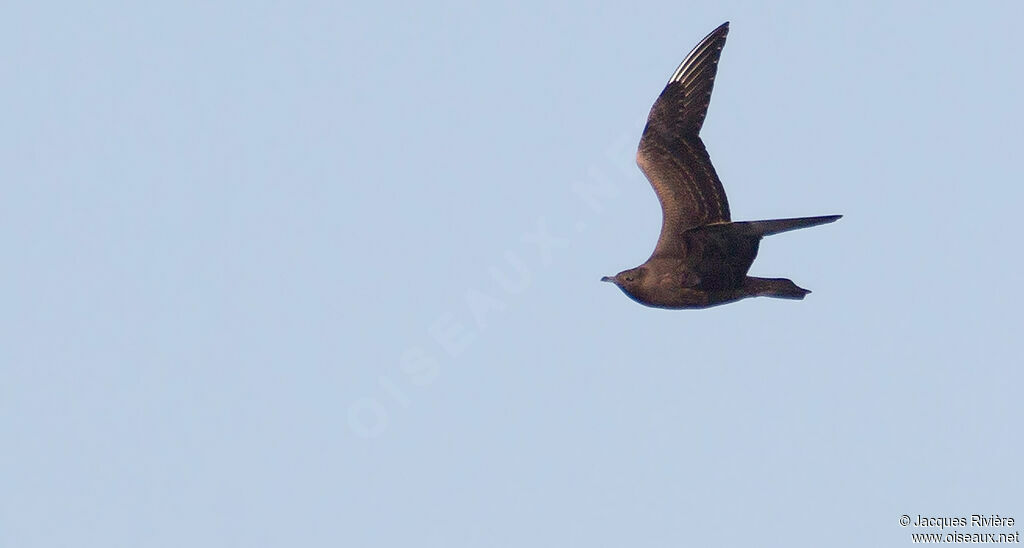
[[671, 153]]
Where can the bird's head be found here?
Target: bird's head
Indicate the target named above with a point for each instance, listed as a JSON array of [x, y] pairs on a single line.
[[629, 281]]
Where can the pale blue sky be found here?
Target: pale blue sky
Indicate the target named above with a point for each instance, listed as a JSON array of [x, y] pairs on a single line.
[[318, 274]]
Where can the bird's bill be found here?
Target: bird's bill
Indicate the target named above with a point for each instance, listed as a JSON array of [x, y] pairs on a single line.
[[607, 279]]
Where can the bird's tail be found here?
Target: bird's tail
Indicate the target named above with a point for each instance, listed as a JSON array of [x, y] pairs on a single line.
[[780, 288], [775, 226]]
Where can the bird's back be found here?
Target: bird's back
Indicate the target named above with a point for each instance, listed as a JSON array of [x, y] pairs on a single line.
[[719, 255]]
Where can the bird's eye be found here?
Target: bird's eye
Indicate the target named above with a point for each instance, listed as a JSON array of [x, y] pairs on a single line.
[[629, 278]]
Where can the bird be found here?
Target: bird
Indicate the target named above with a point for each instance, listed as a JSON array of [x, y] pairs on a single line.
[[702, 257]]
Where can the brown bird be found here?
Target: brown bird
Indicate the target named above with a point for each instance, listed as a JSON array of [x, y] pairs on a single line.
[[702, 257]]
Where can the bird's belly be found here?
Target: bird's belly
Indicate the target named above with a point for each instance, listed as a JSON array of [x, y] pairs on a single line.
[[676, 298], [693, 298]]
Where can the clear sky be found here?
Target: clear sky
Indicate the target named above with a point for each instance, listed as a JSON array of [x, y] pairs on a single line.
[[326, 274]]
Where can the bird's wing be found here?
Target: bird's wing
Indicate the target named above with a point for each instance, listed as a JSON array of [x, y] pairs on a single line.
[[671, 153]]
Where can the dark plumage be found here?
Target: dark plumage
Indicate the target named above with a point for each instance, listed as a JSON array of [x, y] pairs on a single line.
[[702, 257]]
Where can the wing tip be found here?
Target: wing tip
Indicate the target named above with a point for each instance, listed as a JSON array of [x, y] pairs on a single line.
[[722, 29], [699, 52]]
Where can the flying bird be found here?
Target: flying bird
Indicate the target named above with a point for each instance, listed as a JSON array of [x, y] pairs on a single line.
[[702, 256]]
